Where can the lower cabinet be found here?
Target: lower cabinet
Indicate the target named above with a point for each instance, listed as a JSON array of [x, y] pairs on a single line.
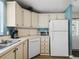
[[9, 55], [16, 53], [45, 45], [25, 50], [19, 51]]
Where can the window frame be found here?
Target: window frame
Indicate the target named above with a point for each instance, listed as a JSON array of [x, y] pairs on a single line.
[[3, 20]]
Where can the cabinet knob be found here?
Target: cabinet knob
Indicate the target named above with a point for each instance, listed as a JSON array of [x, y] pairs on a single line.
[[14, 51]]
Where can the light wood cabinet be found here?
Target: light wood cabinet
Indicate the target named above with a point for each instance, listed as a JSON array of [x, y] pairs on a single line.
[[45, 45], [19, 16], [26, 18], [14, 14], [52, 16], [16, 53], [60, 16], [34, 20], [19, 52], [9, 55], [43, 20], [25, 50], [57, 16]]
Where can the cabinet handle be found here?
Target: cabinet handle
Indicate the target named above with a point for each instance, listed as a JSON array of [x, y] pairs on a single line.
[[14, 51]]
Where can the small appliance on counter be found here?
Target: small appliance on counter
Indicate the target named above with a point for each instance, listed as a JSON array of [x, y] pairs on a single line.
[[44, 33], [13, 32]]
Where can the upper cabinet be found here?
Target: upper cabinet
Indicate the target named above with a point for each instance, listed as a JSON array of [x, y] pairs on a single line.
[[34, 20], [60, 16], [56, 16], [43, 20], [19, 17], [52, 16], [14, 14], [27, 18]]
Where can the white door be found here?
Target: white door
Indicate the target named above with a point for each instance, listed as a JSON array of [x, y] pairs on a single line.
[[75, 34], [59, 44]]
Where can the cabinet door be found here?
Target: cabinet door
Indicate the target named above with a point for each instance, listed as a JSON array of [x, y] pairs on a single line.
[[14, 14], [27, 18], [60, 16], [18, 15], [52, 16], [19, 52], [44, 45], [34, 20], [25, 50], [43, 20], [11, 14], [9, 55]]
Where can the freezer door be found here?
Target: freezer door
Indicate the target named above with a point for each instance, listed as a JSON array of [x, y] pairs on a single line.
[[59, 44], [60, 25]]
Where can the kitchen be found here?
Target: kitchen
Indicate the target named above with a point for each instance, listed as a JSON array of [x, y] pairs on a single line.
[[39, 29]]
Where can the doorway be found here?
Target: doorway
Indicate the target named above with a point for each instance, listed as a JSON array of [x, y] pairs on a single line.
[[75, 37]]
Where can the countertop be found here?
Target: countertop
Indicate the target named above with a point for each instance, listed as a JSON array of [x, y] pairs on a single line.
[[22, 39]]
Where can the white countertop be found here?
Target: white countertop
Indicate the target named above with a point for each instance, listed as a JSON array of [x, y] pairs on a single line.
[[22, 39]]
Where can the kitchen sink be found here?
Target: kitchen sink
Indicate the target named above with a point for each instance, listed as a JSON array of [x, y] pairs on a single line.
[[6, 43]]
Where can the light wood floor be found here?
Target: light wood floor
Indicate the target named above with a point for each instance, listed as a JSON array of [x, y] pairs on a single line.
[[47, 57]]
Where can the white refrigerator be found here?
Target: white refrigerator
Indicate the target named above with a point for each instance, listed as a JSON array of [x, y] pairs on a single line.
[[58, 32]]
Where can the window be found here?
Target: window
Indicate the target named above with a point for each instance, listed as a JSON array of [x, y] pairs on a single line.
[[1, 17]]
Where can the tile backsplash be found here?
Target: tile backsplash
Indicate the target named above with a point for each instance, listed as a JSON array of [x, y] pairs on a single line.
[[4, 37], [21, 33], [27, 32]]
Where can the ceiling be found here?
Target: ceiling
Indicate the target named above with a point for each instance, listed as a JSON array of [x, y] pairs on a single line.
[[75, 4], [47, 5]]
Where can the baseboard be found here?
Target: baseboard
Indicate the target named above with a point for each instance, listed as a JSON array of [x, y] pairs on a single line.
[[45, 54], [35, 56], [75, 49], [60, 56]]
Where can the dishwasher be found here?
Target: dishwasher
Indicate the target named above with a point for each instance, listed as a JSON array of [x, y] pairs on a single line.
[[34, 47]]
